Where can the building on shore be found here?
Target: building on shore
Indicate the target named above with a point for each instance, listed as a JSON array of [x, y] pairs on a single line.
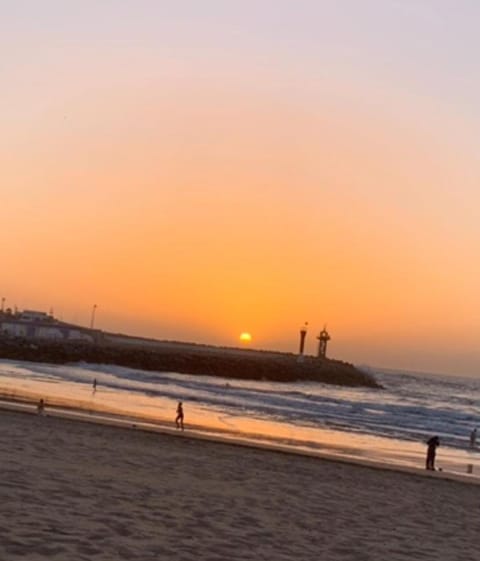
[[32, 324]]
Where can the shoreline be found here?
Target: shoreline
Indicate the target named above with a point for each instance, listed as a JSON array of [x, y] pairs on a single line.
[[97, 492], [340, 441], [138, 424]]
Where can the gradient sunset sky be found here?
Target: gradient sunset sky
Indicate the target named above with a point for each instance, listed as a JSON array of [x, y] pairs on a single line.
[[199, 169]]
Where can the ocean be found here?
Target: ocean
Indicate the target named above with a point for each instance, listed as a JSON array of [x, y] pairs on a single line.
[[389, 425]]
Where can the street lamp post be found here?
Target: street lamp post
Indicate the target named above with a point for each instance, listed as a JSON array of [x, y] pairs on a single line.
[[3, 304], [92, 319]]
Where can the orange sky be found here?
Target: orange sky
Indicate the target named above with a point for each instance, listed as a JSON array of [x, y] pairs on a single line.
[[197, 184]]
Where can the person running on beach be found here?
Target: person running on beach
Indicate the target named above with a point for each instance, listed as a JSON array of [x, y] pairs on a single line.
[[432, 444], [179, 417]]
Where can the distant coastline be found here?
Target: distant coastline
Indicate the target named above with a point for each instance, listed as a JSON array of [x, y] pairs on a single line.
[[187, 358]]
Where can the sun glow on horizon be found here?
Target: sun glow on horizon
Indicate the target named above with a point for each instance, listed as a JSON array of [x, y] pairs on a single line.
[[245, 337], [192, 171]]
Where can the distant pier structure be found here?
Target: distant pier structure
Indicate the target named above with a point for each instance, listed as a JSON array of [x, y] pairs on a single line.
[[323, 339]]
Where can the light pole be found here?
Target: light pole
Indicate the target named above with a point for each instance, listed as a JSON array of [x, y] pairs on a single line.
[[3, 304], [92, 319]]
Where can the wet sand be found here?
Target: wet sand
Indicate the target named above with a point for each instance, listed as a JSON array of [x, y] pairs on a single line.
[[72, 490]]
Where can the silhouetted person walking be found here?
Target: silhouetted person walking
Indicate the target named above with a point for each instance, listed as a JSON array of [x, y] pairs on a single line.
[[179, 417], [432, 444], [94, 385]]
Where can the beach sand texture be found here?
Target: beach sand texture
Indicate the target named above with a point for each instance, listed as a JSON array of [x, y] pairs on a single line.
[[78, 491]]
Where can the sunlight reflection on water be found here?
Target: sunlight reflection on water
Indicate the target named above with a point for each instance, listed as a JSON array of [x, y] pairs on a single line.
[[252, 411]]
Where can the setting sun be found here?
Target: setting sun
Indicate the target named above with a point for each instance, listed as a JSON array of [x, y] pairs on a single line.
[[245, 337]]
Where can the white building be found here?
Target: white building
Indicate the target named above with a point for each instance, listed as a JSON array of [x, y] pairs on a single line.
[[31, 324]]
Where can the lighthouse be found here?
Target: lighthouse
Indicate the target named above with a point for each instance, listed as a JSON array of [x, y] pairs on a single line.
[[323, 339], [303, 333]]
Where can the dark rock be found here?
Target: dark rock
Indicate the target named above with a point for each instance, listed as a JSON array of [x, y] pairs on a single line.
[[191, 359]]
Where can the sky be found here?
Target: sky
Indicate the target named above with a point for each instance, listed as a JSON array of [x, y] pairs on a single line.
[[200, 169]]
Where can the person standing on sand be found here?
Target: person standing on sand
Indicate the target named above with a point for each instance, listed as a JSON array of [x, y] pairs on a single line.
[[473, 438], [94, 385], [41, 407], [179, 417], [432, 444]]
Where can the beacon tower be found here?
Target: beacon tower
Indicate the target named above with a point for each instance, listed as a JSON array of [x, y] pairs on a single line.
[[323, 339]]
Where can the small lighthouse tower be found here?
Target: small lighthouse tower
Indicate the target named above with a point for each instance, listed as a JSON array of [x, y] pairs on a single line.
[[323, 339], [303, 333]]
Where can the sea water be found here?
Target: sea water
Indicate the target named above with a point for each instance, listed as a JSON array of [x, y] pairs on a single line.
[[389, 425]]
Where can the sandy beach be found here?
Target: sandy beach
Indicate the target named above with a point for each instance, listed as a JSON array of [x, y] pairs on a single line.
[[72, 490]]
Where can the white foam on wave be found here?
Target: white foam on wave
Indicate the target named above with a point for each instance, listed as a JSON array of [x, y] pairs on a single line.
[[392, 423]]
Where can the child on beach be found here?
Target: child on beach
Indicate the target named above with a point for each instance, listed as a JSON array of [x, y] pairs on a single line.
[[179, 417], [432, 444]]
